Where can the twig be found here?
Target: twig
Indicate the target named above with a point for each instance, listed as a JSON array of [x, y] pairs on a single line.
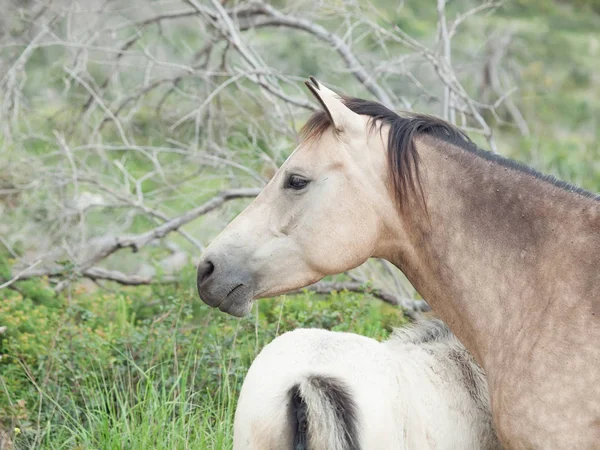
[[325, 287], [100, 102], [276, 18], [20, 275], [8, 247], [445, 40], [462, 17], [98, 273]]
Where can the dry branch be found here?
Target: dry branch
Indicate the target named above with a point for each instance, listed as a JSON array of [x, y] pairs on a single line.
[[19, 275], [98, 273], [139, 241], [276, 18], [324, 287]]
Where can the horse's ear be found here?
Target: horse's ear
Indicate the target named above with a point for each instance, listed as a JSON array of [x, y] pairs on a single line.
[[340, 115]]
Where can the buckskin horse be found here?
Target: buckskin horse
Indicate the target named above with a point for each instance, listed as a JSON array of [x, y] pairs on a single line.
[[313, 389], [507, 257]]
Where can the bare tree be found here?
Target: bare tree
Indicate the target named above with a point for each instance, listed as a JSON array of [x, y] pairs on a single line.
[[120, 118]]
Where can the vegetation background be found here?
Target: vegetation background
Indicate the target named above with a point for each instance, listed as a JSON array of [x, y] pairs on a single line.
[[132, 131]]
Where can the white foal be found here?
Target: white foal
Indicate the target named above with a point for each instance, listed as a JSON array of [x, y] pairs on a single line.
[[314, 389]]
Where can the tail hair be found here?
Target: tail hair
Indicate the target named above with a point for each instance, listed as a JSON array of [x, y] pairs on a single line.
[[324, 415]]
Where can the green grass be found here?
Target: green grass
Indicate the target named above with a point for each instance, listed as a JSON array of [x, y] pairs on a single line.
[[163, 406], [149, 367]]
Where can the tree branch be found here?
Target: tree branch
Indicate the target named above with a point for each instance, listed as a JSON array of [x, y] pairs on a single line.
[[20, 275], [325, 287], [276, 18], [139, 241], [98, 273]]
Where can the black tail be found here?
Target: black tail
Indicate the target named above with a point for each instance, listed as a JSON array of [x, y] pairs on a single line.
[[324, 415]]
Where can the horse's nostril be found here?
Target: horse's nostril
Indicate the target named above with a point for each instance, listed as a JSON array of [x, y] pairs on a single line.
[[205, 270]]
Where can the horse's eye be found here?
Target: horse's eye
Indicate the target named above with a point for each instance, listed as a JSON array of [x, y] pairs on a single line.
[[296, 182]]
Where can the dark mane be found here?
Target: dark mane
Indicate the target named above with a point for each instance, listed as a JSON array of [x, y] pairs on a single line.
[[403, 158]]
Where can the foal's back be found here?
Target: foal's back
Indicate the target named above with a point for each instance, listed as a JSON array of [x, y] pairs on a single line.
[[413, 391], [445, 374]]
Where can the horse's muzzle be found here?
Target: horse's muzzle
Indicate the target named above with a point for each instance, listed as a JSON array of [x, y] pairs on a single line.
[[225, 285]]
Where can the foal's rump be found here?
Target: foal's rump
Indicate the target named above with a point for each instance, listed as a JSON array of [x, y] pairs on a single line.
[[312, 390], [320, 390], [317, 413]]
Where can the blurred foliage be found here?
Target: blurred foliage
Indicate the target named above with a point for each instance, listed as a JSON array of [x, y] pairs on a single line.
[[556, 50], [591, 5]]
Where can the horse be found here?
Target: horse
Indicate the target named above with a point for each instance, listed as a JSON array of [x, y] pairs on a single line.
[[325, 390], [507, 257]]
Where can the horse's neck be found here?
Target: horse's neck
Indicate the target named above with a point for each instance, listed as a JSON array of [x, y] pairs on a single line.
[[491, 252]]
